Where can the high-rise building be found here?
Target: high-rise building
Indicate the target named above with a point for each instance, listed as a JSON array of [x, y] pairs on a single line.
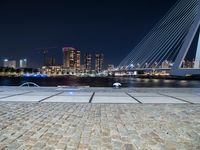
[[23, 63], [87, 63], [71, 59], [98, 62], [9, 63], [78, 61]]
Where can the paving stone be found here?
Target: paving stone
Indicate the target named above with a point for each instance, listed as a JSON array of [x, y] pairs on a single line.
[[99, 126]]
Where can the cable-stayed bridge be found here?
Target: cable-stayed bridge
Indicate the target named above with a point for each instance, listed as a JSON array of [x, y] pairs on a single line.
[[173, 43]]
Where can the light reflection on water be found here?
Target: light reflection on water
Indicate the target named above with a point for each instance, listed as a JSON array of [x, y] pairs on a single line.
[[101, 82]]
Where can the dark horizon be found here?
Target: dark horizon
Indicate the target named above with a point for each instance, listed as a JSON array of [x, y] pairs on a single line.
[[113, 28]]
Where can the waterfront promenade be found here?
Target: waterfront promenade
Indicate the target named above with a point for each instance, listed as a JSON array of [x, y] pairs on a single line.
[[99, 118]]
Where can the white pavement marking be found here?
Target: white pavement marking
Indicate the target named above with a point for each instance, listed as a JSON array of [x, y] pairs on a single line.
[[144, 94], [69, 99], [158, 100], [104, 99]]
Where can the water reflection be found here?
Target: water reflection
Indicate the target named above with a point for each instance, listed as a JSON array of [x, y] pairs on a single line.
[[100, 82]]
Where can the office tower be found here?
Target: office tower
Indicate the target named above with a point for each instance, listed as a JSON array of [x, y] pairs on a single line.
[[71, 59], [78, 60], [88, 63], [9, 63], [23, 63], [98, 62]]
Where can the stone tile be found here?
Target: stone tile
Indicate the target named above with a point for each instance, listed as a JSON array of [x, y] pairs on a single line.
[[190, 99], [72, 93], [24, 98], [182, 94], [147, 94], [99, 99], [69, 99], [158, 100], [115, 94], [100, 126], [41, 93]]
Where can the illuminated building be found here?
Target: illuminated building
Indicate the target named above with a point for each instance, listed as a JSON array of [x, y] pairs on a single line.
[[78, 61], [23, 63], [9, 63], [87, 63], [98, 62], [71, 59], [52, 70]]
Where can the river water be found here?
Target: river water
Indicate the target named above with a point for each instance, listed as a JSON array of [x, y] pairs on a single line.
[[100, 82]]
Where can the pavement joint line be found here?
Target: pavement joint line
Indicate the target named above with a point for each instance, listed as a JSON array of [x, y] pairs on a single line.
[[180, 99], [50, 96], [90, 101], [15, 95], [133, 98]]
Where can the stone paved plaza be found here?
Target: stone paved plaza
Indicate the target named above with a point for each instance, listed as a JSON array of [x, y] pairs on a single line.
[[47, 124]]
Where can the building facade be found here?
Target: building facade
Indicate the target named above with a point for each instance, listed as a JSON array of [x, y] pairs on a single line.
[[9, 63], [71, 59], [98, 62], [23, 63], [87, 63], [78, 61]]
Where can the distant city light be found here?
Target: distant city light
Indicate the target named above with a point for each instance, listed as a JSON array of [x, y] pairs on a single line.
[[5, 59]]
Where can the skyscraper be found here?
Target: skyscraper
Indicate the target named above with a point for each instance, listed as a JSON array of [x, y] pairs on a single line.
[[98, 62], [78, 61], [23, 63], [71, 59], [87, 63]]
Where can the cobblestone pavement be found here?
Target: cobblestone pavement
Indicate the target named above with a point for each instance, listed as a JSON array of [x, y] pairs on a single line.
[[99, 126]]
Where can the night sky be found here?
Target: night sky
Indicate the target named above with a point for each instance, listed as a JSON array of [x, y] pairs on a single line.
[[112, 27]]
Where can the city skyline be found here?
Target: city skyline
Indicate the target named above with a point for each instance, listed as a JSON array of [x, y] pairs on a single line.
[[114, 31]]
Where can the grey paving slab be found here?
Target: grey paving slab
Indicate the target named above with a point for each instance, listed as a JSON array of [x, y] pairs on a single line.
[[72, 93], [69, 99], [2, 96], [110, 99], [24, 98], [12, 92], [38, 93], [182, 94], [147, 94], [158, 100], [112, 94], [190, 99]]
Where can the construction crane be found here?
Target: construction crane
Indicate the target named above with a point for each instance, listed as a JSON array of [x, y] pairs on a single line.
[[44, 52]]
